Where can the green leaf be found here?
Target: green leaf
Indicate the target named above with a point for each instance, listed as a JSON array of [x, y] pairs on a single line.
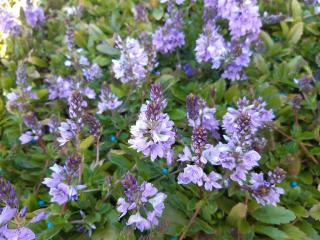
[[86, 143], [273, 215], [271, 232], [294, 232], [261, 64], [118, 91], [308, 229], [315, 212], [267, 39], [237, 213], [296, 10], [158, 13], [37, 61], [232, 94], [295, 33], [107, 49], [116, 157]]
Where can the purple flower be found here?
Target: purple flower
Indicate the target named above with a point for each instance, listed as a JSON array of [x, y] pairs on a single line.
[[264, 191], [132, 65], [244, 20], [27, 137], [32, 122], [170, 36], [34, 16], [108, 100], [6, 215], [93, 72], [137, 198], [153, 133], [240, 54], [191, 174], [211, 46], [199, 114], [63, 183], [245, 121], [67, 132], [179, 2], [40, 216], [8, 24], [69, 38], [140, 222], [7, 193], [211, 181], [21, 233], [60, 194], [236, 159]]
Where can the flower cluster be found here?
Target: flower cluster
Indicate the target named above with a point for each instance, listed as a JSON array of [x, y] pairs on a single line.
[[71, 128], [108, 100], [36, 129], [63, 183], [241, 126], [170, 36], [133, 62], [266, 191], [244, 28], [244, 122], [144, 200], [8, 24], [17, 99], [10, 211], [201, 119], [211, 46], [237, 157], [153, 133], [62, 88], [199, 114], [90, 71], [34, 16]]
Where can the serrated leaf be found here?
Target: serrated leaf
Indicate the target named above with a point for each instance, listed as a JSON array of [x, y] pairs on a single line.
[[273, 215]]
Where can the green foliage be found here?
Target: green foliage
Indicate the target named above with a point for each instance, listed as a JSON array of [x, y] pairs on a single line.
[[291, 51]]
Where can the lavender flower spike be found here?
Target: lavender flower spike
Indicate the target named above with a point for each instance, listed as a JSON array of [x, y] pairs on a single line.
[[133, 62], [153, 133], [137, 197]]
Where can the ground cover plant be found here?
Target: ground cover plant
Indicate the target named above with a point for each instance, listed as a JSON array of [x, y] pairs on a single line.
[[159, 119]]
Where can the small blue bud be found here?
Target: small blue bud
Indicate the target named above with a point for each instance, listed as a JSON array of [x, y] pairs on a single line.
[[113, 138], [165, 170], [41, 203], [49, 225], [294, 184], [173, 238]]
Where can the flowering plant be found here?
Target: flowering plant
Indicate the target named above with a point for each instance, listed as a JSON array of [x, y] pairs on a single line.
[[161, 119]]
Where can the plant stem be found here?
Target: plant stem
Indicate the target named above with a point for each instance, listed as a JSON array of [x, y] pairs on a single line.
[[301, 144], [192, 219]]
